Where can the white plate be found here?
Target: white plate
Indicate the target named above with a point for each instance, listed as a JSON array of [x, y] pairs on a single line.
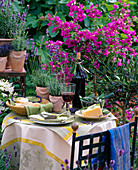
[[54, 123], [78, 113]]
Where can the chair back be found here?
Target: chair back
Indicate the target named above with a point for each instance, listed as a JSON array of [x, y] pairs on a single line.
[[94, 149]]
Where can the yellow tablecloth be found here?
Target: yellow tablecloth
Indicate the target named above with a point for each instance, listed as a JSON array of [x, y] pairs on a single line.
[[44, 147]]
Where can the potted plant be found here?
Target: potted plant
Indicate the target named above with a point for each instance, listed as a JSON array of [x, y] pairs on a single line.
[[9, 19], [4, 52], [17, 56], [40, 79], [55, 94]]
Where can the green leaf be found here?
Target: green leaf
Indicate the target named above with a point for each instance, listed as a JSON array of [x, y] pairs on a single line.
[[35, 23], [51, 2], [44, 55], [31, 18], [108, 96], [123, 36], [52, 34], [109, 7], [64, 9], [87, 22], [44, 23], [46, 5], [63, 1]]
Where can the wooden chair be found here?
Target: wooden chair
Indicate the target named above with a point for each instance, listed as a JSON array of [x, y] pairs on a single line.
[[102, 147]]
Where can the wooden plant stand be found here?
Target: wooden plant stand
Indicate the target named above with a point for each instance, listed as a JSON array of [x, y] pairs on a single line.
[[17, 78]]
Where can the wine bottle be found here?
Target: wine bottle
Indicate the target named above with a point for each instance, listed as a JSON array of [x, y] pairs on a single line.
[[79, 79]]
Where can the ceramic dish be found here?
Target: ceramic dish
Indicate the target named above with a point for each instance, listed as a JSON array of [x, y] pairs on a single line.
[[53, 123], [79, 114]]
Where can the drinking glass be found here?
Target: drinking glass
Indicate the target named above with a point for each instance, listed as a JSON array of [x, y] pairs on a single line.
[[68, 92]]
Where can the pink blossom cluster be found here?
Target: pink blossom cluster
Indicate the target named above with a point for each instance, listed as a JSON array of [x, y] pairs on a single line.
[[59, 63], [129, 114], [113, 40]]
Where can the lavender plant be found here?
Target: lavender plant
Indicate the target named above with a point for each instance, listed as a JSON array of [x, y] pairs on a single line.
[[7, 157], [20, 33], [54, 86], [5, 50], [9, 18]]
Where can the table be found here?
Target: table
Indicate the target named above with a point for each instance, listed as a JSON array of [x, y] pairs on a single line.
[[44, 147], [18, 78]]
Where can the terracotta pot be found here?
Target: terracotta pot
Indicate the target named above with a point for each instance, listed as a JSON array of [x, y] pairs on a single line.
[[8, 65], [17, 59], [3, 61], [57, 103], [5, 41], [42, 92]]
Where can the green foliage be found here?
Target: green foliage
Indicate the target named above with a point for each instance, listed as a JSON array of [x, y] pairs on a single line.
[[19, 43], [7, 24], [54, 86], [39, 78]]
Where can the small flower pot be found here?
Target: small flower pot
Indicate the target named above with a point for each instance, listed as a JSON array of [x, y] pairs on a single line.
[[17, 59], [42, 92], [3, 61], [57, 103]]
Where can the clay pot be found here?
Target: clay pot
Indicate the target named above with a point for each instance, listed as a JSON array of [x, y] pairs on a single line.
[[3, 61], [17, 59], [8, 65], [5, 41], [42, 92], [57, 103]]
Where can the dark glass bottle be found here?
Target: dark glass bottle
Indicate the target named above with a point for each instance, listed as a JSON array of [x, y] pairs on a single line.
[[79, 80]]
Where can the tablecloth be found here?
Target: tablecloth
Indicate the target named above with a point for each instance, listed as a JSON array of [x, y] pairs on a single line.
[[44, 147]]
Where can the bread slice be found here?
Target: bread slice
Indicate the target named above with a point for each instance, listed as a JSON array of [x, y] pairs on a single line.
[[22, 100]]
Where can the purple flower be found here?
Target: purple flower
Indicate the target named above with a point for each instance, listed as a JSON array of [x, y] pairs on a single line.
[[66, 161], [2, 10], [6, 165], [120, 152], [78, 163], [28, 6], [15, 154], [62, 166], [5, 150], [9, 156], [36, 49], [112, 162]]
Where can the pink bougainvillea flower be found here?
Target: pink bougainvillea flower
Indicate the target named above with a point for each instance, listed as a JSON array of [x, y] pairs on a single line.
[[114, 6]]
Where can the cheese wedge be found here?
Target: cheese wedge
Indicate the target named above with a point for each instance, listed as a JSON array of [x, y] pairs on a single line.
[[96, 111]]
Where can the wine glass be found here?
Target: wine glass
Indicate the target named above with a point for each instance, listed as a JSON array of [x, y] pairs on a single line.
[[68, 92]]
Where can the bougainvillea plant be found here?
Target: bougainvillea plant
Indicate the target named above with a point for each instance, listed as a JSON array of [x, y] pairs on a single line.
[[108, 48], [60, 61]]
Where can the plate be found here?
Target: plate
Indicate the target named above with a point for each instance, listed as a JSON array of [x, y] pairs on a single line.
[[78, 113], [53, 123]]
